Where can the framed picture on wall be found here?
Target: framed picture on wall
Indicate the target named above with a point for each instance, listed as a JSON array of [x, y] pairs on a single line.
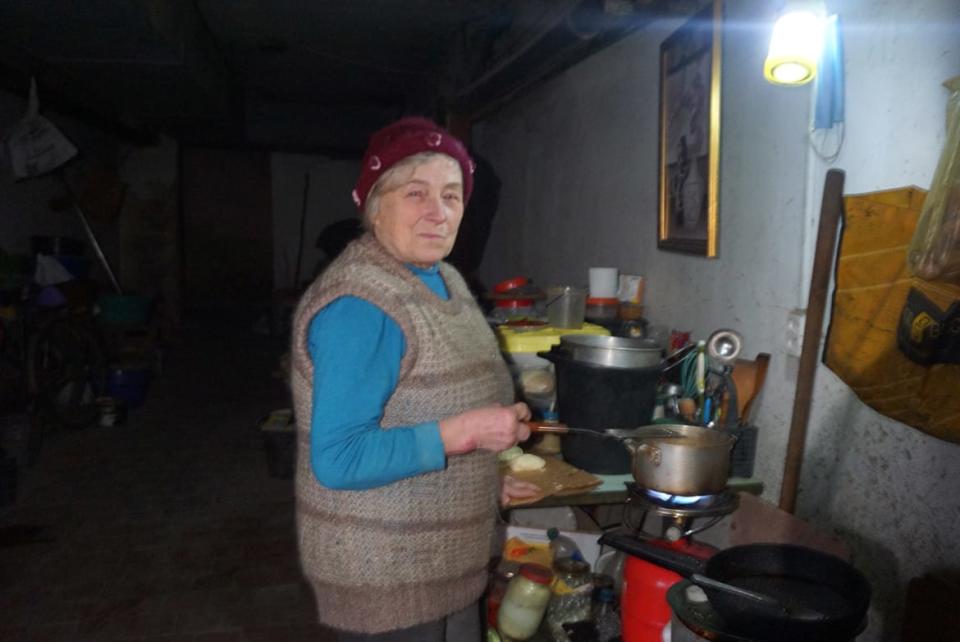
[[690, 135]]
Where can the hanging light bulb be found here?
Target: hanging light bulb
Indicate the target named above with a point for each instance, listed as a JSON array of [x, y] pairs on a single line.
[[795, 45]]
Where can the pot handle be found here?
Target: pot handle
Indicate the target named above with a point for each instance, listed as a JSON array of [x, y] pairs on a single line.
[[555, 354], [675, 358], [541, 427], [641, 449], [684, 565]]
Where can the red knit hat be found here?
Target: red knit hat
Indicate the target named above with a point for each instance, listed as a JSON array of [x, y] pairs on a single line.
[[406, 137]]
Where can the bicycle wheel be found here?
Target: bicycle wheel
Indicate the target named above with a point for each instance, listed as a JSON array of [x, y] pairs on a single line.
[[67, 371]]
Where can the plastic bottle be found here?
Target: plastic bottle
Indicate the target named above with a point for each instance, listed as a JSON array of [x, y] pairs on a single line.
[[606, 618], [571, 601], [562, 546]]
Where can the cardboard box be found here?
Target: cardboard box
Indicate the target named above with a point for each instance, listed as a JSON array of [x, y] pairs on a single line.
[[587, 542]]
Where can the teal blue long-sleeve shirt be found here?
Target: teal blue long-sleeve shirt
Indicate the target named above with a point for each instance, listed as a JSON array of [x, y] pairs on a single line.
[[356, 351]]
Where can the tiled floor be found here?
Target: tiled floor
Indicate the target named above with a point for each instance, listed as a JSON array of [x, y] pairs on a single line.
[[167, 528]]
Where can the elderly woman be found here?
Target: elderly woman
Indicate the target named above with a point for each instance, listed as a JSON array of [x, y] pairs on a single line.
[[402, 401]]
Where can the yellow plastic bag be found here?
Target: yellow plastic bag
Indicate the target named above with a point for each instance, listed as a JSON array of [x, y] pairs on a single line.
[[524, 552], [934, 252], [891, 337]]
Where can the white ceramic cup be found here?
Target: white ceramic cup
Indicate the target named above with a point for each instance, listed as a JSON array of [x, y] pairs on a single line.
[[604, 282]]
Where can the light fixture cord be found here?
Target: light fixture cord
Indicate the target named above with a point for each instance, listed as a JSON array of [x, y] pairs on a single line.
[[819, 143]]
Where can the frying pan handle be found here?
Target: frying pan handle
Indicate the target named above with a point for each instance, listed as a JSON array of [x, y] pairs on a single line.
[[709, 582], [680, 563], [540, 427]]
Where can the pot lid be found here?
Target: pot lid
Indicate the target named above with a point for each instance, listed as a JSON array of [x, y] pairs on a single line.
[[611, 343]]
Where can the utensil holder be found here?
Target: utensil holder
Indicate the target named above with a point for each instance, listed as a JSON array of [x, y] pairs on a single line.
[[744, 452]]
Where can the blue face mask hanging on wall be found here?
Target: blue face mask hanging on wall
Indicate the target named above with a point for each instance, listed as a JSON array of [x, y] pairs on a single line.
[[828, 105]]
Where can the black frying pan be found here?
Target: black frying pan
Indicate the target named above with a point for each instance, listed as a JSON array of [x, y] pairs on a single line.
[[815, 596]]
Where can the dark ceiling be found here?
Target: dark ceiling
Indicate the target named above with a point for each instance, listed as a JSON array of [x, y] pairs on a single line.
[[316, 75]]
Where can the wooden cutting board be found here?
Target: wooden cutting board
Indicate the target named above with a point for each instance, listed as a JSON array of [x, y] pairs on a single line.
[[557, 478]]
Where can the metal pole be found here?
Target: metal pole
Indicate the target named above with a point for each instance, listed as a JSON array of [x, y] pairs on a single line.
[[90, 235]]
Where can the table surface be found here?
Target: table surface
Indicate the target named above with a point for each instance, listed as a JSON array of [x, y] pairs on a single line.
[[613, 490]]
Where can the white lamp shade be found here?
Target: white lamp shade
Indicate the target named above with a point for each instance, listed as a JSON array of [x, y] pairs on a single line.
[[794, 48]]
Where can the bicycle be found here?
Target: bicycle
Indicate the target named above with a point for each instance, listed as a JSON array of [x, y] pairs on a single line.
[[52, 369], [66, 367]]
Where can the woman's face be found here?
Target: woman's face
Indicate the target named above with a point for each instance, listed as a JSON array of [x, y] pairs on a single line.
[[417, 222]]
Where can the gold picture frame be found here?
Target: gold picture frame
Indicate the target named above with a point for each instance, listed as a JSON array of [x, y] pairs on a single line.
[[689, 165]]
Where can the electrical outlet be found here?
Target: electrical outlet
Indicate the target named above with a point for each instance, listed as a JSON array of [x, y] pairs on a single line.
[[793, 336]]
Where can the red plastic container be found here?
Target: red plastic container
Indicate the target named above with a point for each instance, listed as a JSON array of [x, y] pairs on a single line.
[[643, 602], [514, 303], [511, 284]]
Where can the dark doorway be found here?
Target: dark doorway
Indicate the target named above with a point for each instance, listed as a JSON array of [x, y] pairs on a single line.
[[227, 230]]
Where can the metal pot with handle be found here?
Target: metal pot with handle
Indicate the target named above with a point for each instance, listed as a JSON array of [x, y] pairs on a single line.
[[695, 461], [671, 458]]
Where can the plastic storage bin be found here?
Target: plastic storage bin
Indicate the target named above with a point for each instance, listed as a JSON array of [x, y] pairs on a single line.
[[521, 346], [128, 384], [125, 309]]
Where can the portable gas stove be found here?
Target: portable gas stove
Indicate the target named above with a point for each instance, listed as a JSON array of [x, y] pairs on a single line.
[[677, 511], [644, 607]]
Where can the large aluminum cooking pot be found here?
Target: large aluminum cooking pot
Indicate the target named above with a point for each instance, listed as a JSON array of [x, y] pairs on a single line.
[[695, 462], [613, 352], [598, 397]]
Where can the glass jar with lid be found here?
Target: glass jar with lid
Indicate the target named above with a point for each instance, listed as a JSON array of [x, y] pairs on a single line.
[[499, 581], [572, 596], [525, 602]]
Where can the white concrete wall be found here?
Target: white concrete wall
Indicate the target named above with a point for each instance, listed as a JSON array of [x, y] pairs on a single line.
[[897, 56], [328, 201], [578, 159]]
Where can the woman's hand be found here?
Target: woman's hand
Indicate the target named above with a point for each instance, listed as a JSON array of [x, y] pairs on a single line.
[[493, 428], [513, 488]]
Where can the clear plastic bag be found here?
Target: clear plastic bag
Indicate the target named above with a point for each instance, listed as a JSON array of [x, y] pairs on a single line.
[[34, 145], [934, 252]]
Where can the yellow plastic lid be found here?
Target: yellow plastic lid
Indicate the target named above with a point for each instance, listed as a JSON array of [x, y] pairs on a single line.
[[541, 339]]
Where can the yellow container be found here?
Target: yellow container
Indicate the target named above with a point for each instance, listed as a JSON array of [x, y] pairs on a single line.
[[520, 348], [514, 340]]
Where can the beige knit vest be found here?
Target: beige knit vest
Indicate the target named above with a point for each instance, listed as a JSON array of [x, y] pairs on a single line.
[[415, 550]]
